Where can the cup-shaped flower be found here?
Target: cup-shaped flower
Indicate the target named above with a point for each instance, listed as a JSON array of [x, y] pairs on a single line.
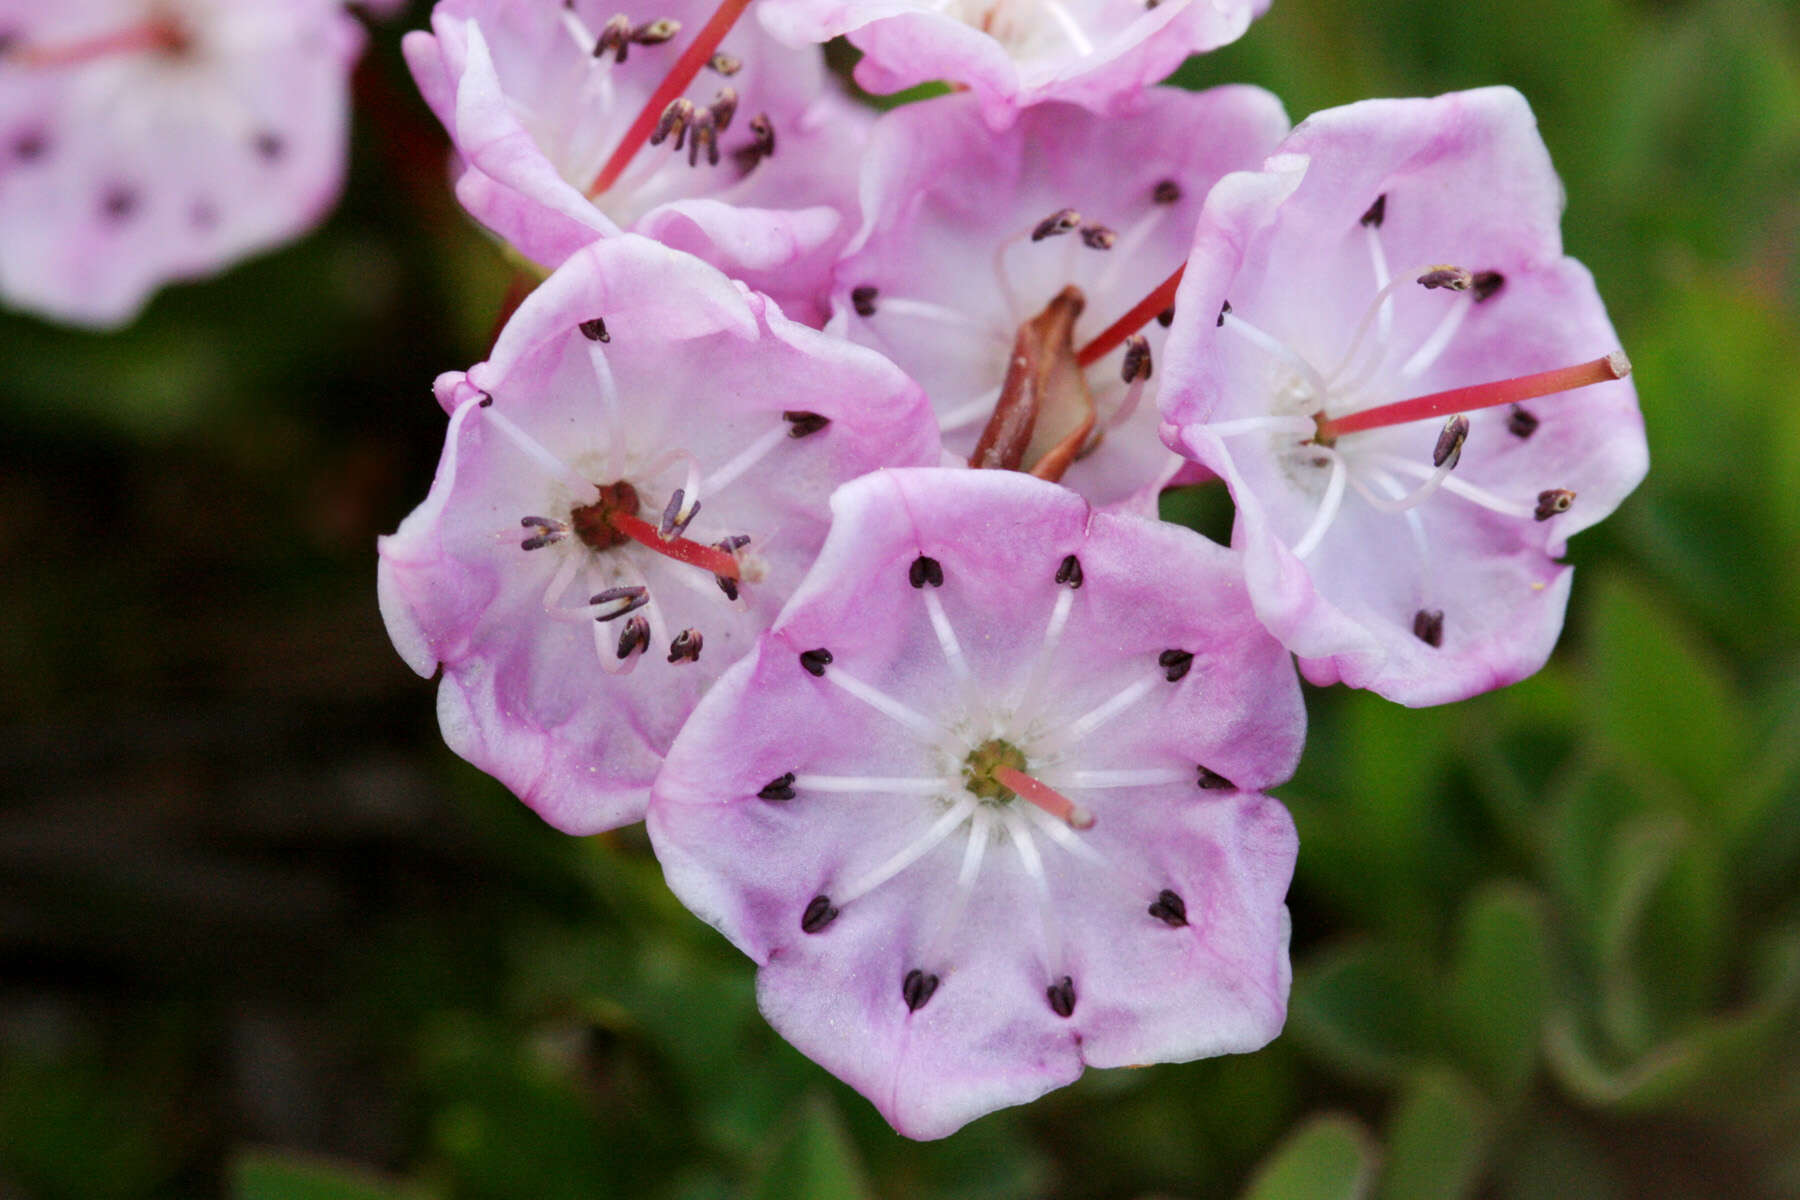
[[987, 261], [1101, 54], [631, 485], [754, 161], [984, 802], [143, 141], [1413, 395]]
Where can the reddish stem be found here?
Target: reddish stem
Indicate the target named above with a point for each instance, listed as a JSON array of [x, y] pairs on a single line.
[[698, 53], [1481, 395], [1045, 797], [1114, 335], [151, 35], [719, 562]]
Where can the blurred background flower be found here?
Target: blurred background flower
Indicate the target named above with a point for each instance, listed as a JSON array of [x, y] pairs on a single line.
[[261, 935]]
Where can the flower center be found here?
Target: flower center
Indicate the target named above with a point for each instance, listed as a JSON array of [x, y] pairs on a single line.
[[982, 763], [594, 524]]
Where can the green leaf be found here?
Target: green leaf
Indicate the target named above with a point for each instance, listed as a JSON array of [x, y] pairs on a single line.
[[1366, 1009], [285, 1175], [1658, 696], [819, 1162], [1436, 1140], [1328, 1158], [1499, 987]]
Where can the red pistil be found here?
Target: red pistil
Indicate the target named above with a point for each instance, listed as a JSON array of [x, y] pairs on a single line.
[[698, 53], [719, 562], [1114, 335], [150, 36], [1045, 797], [1481, 395]]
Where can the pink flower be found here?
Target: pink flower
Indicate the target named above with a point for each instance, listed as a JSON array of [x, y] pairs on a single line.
[[143, 141], [1395, 249], [631, 485], [849, 804], [539, 95], [949, 271], [1100, 54]]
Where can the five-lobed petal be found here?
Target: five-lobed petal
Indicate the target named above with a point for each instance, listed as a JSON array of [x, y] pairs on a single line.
[[940, 944], [632, 365], [1375, 563]]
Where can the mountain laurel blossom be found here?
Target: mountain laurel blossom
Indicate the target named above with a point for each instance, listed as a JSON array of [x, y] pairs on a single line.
[[1413, 395], [986, 807], [623, 503]]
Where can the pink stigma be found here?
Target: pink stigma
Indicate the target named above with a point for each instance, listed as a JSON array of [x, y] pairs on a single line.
[[155, 35], [1141, 314], [719, 562], [1045, 797], [1481, 395], [698, 53]]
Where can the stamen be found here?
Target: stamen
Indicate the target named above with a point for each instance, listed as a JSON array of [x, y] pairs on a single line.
[[1061, 995], [1329, 506], [1136, 365], [1098, 237], [1552, 502], [677, 514], [1482, 395], [946, 636], [1169, 908], [1278, 424], [1457, 279], [761, 146], [621, 601], [698, 53], [1450, 442], [1069, 571], [1104, 712], [1211, 781], [941, 314], [880, 701], [1033, 685], [815, 661], [1127, 777], [1433, 346], [548, 531], [819, 913], [1063, 220], [779, 788], [1070, 29], [896, 784], [1487, 285], [725, 64], [1232, 323], [749, 456], [1045, 797], [1428, 626], [535, 450], [723, 108], [1451, 484], [686, 646], [804, 424], [925, 571], [713, 559], [917, 988], [1165, 192], [1175, 664], [1520, 423], [980, 824], [1026, 847], [910, 853], [635, 637], [1376, 214], [862, 299], [1114, 335], [595, 330]]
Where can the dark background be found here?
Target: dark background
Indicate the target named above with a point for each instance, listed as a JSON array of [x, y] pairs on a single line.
[[261, 935]]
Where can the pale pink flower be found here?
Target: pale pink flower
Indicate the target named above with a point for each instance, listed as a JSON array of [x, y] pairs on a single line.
[[631, 485], [538, 95], [849, 804], [1396, 249], [969, 237], [1100, 54], [144, 141]]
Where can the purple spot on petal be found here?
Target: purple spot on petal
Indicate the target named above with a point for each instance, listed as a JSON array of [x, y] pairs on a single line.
[[30, 145], [269, 145], [118, 202]]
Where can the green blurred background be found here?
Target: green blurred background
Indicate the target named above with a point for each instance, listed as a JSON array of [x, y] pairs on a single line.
[[261, 936]]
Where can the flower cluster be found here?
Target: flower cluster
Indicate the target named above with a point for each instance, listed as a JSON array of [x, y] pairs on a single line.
[[808, 507]]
